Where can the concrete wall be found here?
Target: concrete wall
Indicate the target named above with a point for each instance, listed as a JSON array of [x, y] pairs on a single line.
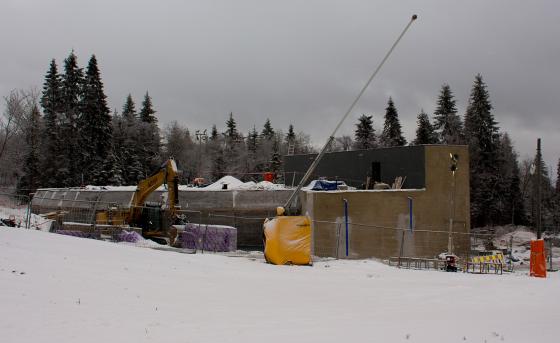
[[383, 211]]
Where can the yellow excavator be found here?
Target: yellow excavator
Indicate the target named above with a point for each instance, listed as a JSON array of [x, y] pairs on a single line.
[[155, 218], [287, 239]]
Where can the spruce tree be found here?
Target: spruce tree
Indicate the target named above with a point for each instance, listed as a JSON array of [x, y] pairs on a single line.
[[148, 138], [72, 91], [129, 109], [364, 135], [558, 178], [214, 133], [509, 199], [132, 151], [447, 123], [51, 101], [30, 180], [231, 131], [147, 112], [481, 134], [95, 127], [275, 165], [267, 132], [290, 136], [252, 141], [425, 131], [392, 134]]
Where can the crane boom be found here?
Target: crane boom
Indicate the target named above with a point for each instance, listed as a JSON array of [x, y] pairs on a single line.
[[311, 168]]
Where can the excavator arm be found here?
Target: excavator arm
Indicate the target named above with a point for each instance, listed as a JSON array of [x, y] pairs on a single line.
[[167, 174]]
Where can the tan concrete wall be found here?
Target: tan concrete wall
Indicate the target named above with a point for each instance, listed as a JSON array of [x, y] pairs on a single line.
[[383, 211]]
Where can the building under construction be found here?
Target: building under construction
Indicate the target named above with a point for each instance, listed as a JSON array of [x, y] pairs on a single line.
[[420, 176]]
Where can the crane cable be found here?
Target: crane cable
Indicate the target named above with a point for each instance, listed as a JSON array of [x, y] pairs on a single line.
[[331, 138]]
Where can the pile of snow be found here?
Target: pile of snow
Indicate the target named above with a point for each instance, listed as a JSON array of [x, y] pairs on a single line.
[[234, 183], [230, 181], [19, 215], [58, 288], [263, 185], [116, 188]]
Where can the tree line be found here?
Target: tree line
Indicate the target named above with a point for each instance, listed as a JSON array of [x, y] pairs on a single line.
[[78, 141]]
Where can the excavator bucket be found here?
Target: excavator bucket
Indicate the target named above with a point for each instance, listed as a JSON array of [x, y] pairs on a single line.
[[288, 240]]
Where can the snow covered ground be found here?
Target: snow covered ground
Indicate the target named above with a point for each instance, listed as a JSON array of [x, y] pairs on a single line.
[[56, 288]]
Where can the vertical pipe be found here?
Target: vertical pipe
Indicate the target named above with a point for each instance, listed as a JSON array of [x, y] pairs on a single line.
[[539, 189], [346, 222], [410, 226]]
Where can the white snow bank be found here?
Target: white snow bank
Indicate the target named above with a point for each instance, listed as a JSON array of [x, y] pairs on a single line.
[[19, 215], [230, 181], [58, 288]]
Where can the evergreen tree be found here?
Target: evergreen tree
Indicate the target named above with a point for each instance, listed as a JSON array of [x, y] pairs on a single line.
[[51, 101], [481, 134], [95, 127], [447, 123], [392, 134], [231, 131], [30, 180], [253, 141], [275, 160], [72, 86], [364, 136], [424, 132], [267, 132], [218, 165], [290, 136], [147, 112], [148, 138], [509, 201], [129, 109], [558, 178], [214, 133], [131, 151]]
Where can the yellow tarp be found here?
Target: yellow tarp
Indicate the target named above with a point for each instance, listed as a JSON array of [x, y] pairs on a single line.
[[288, 240]]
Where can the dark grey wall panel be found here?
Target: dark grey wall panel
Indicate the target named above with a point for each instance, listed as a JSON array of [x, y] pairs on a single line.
[[355, 166]]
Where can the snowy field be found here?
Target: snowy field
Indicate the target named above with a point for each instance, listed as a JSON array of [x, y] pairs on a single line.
[[56, 288]]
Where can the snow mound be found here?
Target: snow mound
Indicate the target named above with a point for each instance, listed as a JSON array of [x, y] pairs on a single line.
[[263, 185], [236, 184], [231, 182]]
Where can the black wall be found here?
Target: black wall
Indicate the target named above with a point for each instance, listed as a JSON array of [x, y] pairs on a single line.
[[354, 167]]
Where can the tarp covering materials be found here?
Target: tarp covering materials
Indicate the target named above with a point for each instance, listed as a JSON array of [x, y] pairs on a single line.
[[288, 240], [324, 185], [538, 258]]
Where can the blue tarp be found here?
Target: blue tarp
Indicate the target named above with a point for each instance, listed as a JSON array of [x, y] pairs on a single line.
[[325, 185]]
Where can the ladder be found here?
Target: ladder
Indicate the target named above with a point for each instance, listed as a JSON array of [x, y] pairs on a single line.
[[291, 148]]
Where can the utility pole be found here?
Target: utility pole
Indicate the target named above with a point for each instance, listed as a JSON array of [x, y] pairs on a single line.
[[453, 167], [200, 136], [539, 189]]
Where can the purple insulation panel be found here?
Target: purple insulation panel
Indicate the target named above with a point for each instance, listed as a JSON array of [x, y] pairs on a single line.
[[129, 236], [209, 237]]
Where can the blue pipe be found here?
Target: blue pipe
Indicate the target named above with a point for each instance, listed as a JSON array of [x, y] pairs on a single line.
[[410, 214], [346, 222]]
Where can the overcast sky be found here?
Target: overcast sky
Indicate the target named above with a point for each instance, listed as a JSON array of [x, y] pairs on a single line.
[[300, 62]]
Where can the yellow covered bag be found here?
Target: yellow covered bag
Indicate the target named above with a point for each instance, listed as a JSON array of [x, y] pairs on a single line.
[[288, 240]]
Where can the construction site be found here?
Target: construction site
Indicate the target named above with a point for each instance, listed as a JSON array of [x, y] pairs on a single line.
[[408, 202]]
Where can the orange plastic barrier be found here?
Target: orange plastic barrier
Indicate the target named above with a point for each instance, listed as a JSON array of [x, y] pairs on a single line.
[[538, 259]]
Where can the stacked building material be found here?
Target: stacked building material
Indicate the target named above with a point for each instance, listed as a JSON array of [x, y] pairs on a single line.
[[78, 233], [218, 238]]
